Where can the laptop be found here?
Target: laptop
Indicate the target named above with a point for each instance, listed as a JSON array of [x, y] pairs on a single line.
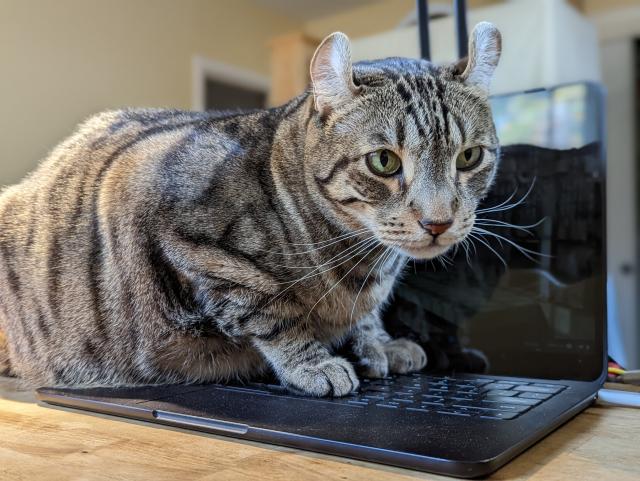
[[513, 322]]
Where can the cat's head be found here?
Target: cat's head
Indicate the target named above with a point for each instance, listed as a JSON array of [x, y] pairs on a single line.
[[403, 147]]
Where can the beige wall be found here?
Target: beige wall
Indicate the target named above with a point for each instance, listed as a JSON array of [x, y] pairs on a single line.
[[597, 6], [62, 60]]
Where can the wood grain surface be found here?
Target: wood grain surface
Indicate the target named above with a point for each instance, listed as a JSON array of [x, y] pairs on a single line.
[[42, 443]]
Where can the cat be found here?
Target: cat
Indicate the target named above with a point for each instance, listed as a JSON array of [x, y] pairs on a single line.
[[162, 246]]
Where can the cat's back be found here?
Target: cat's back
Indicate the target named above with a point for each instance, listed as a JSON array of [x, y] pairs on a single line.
[[64, 184], [117, 164], [136, 143]]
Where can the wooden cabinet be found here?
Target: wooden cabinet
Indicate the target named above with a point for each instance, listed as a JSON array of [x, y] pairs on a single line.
[[290, 58]]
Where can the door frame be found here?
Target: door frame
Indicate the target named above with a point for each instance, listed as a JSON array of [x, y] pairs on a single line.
[[203, 69]]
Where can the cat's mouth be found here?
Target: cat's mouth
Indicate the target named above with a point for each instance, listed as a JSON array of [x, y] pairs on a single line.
[[425, 251], [420, 249]]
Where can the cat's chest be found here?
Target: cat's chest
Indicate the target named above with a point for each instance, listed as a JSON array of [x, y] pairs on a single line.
[[343, 304]]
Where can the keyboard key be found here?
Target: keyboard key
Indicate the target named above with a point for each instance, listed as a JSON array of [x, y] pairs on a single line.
[[500, 392], [540, 389], [373, 397], [539, 384], [410, 381], [472, 409], [497, 385], [461, 395], [443, 389], [535, 395], [404, 401], [357, 403], [422, 410], [388, 405], [404, 393], [496, 406], [432, 397], [374, 387], [432, 404], [479, 382], [465, 385], [500, 415], [467, 388], [454, 412], [513, 400], [512, 407]]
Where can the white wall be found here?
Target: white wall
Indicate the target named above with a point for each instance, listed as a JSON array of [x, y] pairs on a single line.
[[545, 43], [618, 77]]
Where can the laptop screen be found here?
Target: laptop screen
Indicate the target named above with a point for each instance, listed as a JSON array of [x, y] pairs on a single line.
[[525, 295]]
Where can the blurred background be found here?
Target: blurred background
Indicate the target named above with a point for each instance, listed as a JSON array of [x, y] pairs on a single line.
[[61, 61]]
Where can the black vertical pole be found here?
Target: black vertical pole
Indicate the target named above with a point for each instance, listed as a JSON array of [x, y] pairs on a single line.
[[423, 28], [460, 11]]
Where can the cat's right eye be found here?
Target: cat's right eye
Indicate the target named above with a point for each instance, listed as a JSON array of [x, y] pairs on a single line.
[[383, 162]]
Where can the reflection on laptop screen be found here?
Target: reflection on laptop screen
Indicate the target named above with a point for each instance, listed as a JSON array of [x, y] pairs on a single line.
[[524, 296]]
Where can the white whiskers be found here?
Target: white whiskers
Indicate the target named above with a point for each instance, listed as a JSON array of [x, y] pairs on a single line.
[[347, 254], [528, 253], [380, 257], [333, 259], [505, 204], [342, 278], [479, 230], [322, 244]]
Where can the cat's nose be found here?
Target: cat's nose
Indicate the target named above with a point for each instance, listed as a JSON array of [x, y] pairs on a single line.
[[435, 228]]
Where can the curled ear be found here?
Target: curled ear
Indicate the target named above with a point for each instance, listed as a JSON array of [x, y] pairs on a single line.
[[331, 73], [485, 45]]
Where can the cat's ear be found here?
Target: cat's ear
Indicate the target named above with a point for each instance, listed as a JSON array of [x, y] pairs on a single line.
[[485, 45], [331, 73]]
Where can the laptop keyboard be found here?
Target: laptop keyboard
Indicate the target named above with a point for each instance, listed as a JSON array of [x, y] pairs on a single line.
[[468, 397]]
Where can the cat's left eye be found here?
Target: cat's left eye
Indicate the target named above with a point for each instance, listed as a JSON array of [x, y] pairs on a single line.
[[469, 158], [383, 162]]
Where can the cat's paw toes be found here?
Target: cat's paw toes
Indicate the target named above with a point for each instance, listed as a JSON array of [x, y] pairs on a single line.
[[373, 363], [404, 356], [333, 377]]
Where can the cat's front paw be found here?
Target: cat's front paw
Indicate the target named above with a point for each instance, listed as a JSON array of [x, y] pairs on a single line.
[[373, 360], [404, 356], [332, 377], [398, 356]]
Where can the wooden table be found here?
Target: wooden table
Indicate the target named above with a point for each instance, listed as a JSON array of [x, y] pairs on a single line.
[[41, 443]]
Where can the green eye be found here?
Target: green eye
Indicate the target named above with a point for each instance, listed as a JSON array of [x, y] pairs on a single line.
[[383, 162], [468, 159]]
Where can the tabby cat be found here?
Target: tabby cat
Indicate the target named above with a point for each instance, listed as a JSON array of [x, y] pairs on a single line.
[[161, 246]]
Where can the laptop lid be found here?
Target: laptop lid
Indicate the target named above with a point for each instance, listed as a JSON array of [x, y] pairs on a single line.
[[525, 296]]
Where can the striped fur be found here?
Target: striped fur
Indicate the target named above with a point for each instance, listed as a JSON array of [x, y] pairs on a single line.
[[158, 246]]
